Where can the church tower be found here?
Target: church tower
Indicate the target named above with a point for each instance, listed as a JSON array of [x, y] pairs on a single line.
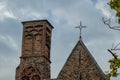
[[35, 57]]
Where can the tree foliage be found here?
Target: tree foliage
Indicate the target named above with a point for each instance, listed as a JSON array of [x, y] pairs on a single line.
[[115, 4], [115, 61], [114, 65]]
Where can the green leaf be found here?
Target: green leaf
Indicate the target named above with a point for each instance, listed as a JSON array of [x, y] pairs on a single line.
[[115, 5]]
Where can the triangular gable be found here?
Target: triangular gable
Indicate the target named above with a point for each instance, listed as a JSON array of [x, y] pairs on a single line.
[[81, 65]]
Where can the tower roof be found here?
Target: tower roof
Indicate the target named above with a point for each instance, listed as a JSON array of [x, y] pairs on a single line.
[[81, 65], [38, 21]]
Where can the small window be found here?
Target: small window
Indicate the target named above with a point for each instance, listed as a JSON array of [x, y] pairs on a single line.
[[38, 26], [29, 27], [25, 78], [34, 30], [28, 36]]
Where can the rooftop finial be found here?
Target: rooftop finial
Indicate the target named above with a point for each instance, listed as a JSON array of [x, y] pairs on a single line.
[[80, 28]]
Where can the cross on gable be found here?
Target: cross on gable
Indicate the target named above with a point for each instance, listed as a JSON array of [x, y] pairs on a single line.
[[80, 27]]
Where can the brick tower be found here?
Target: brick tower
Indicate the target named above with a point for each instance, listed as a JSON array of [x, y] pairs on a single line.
[[35, 57]]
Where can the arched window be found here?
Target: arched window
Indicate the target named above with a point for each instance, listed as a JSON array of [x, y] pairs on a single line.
[[36, 77]]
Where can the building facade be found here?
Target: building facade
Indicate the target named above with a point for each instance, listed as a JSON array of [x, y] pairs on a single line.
[[35, 57]]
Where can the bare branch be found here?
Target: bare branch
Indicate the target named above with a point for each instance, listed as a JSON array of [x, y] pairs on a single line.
[[112, 54], [108, 21], [115, 47]]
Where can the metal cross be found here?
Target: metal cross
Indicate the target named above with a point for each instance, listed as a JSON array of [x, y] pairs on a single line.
[[80, 27]]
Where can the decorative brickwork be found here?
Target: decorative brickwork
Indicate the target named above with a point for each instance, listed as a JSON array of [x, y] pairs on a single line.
[[35, 58]]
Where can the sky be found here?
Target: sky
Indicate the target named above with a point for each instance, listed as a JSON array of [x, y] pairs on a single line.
[[64, 15]]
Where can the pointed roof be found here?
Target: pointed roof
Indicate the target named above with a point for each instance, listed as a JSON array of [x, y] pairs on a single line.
[[81, 65]]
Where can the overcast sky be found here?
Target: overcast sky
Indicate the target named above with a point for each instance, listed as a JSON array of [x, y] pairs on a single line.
[[64, 15]]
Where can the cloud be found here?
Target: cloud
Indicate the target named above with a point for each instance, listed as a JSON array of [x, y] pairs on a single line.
[[7, 67], [104, 7], [4, 13], [14, 10], [101, 5], [64, 16], [94, 1], [9, 41]]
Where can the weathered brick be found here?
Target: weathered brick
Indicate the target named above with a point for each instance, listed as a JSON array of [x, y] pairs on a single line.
[[35, 58], [80, 65]]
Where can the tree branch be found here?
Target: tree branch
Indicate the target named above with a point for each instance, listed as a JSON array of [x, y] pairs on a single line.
[[112, 54], [107, 22]]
